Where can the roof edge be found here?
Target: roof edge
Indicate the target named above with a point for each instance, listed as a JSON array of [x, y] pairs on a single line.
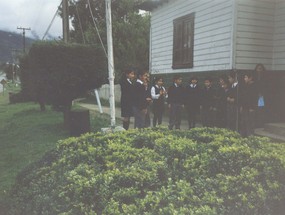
[[150, 5]]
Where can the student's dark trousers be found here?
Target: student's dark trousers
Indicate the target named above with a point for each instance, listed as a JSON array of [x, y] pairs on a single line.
[[175, 116], [260, 117], [139, 118], [208, 117], [221, 120], [147, 117], [247, 122], [232, 117], [157, 114], [192, 114]]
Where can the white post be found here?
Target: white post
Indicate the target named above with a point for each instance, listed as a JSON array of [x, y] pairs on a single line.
[[98, 100], [110, 62]]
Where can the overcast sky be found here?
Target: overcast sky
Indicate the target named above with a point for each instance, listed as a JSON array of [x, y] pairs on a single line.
[[34, 14]]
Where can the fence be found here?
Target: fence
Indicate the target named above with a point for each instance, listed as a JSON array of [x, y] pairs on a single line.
[[104, 92]]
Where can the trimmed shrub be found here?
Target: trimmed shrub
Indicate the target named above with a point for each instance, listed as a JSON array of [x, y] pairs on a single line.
[[57, 73], [155, 171]]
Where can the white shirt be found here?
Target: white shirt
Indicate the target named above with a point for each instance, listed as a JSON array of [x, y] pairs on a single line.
[[139, 81], [234, 84], [152, 92]]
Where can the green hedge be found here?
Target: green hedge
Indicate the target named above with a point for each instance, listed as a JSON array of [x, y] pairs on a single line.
[[201, 171], [57, 73]]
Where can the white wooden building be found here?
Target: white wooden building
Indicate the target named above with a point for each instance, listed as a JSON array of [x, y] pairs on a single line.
[[216, 35]]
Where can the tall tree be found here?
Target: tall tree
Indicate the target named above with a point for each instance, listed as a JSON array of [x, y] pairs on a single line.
[[130, 30]]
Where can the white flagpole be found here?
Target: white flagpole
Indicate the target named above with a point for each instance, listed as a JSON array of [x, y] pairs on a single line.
[[110, 62]]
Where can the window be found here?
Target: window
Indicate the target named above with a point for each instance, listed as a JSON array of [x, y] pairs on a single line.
[[183, 42]]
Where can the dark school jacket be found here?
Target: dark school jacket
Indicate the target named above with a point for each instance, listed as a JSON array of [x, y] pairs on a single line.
[[221, 99], [193, 97], [140, 95], [158, 102], [176, 95], [127, 97], [233, 93], [208, 97], [249, 96]]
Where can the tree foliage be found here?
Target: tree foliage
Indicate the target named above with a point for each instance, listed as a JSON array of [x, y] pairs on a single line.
[[130, 30]]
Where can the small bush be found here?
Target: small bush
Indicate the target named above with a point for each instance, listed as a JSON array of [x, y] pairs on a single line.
[[57, 73], [202, 171]]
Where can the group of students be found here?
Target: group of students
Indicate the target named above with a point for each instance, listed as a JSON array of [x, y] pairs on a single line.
[[233, 104], [136, 97]]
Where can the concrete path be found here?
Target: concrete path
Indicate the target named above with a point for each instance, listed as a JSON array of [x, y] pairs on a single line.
[[165, 119], [275, 131], [184, 123]]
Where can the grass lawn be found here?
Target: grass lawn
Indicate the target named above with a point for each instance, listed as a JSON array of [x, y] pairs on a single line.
[[26, 134]]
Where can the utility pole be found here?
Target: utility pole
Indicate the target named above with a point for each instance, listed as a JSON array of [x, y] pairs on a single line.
[[24, 36], [110, 62], [65, 21]]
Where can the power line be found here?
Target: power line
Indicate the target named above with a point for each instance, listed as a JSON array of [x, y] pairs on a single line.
[[46, 32], [80, 24], [97, 30]]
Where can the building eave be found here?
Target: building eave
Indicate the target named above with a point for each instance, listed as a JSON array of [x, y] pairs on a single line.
[[150, 5]]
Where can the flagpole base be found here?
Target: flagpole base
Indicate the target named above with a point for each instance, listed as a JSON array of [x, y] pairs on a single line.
[[112, 129]]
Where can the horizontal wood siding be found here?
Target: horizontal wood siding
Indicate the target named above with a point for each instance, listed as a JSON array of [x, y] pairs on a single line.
[[212, 35], [254, 33], [279, 36]]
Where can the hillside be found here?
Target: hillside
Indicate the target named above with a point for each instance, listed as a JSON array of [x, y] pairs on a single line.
[[11, 41]]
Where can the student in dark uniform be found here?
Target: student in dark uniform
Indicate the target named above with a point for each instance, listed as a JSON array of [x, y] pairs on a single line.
[[158, 95], [140, 100], [221, 102], [127, 89], [175, 102], [248, 105], [263, 95], [192, 101], [232, 103], [208, 103], [149, 100]]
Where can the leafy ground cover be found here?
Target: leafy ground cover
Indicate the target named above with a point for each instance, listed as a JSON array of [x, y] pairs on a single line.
[[155, 171], [26, 134]]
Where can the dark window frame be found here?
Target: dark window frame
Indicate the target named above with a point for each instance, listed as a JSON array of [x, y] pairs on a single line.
[[183, 42]]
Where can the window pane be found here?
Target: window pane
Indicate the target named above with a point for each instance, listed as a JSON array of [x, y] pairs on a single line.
[[183, 33], [189, 33], [177, 43], [186, 41]]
